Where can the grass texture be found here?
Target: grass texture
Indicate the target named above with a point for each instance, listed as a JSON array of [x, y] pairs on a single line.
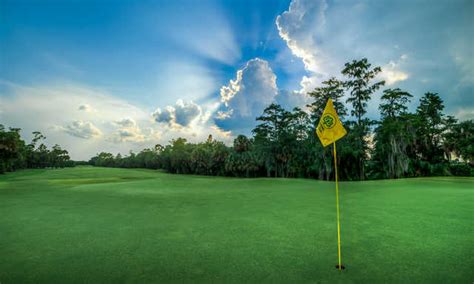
[[104, 225]]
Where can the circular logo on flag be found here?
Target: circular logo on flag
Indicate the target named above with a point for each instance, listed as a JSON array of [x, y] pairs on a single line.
[[328, 121]]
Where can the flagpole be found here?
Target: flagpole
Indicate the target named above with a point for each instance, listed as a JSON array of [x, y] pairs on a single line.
[[329, 130], [337, 209]]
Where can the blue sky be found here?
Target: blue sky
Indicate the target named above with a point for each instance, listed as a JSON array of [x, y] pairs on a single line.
[[133, 49], [121, 75]]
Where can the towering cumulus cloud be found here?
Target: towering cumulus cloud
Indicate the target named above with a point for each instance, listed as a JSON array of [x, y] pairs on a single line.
[[245, 97], [302, 27], [313, 32]]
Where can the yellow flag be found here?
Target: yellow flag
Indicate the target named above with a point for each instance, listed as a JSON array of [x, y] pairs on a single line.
[[330, 128]]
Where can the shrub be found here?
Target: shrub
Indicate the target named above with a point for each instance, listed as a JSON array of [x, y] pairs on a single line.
[[461, 169]]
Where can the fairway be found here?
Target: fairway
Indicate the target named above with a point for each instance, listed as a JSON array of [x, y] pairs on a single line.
[[105, 225]]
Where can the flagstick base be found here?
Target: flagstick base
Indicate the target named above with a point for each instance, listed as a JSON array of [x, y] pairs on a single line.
[[342, 267]]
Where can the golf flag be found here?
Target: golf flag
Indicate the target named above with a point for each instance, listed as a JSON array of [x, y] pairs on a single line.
[[330, 128]]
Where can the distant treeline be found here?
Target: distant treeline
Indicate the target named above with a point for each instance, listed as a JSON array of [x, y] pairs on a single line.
[[16, 154], [400, 144]]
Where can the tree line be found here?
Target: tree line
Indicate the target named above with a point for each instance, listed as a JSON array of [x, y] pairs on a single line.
[[283, 144], [15, 154]]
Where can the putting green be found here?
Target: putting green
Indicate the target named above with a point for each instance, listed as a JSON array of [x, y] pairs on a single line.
[[103, 225]]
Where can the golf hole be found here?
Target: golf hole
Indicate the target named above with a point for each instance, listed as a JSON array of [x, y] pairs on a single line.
[[342, 267]]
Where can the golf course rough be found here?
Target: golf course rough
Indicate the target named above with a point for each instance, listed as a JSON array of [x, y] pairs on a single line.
[[105, 225]]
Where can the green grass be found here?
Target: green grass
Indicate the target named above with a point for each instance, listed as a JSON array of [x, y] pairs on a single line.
[[101, 225]]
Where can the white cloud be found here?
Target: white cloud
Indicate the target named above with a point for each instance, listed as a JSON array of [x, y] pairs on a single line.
[[391, 75], [181, 114], [245, 97], [465, 113], [126, 122], [166, 115], [391, 72], [186, 112], [82, 129], [301, 27], [315, 32], [128, 131], [253, 89], [437, 61], [53, 110], [224, 114], [85, 107], [128, 135]]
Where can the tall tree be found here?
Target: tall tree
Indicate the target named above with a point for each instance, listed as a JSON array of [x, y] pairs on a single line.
[[58, 157], [330, 89], [393, 135], [277, 137], [430, 127], [359, 83], [394, 103], [360, 75], [267, 138]]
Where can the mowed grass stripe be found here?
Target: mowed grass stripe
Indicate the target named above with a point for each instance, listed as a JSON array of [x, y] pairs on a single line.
[[107, 225]]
